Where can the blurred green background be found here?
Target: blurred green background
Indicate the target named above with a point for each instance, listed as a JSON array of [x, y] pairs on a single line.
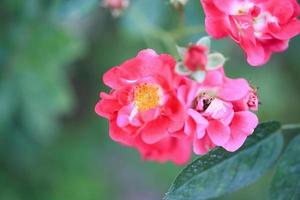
[[52, 57]]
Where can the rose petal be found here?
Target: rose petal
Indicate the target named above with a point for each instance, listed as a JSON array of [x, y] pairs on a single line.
[[218, 133], [234, 89], [237, 139], [202, 146], [245, 122], [155, 130], [119, 135]]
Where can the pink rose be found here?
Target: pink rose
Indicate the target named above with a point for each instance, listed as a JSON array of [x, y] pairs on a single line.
[[195, 57], [259, 27], [249, 102], [212, 118], [143, 109]]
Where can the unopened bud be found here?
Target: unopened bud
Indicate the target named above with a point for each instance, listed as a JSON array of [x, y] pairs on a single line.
[[116, 6], [178, 4]]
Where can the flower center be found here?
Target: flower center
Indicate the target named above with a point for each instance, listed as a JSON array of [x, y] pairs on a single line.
[[261, 18], [240, 8], [211, 107], [146, 96], [261, 22], [202, 102]]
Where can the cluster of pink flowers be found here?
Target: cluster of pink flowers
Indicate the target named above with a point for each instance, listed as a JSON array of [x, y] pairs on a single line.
[[117, 6], [167, 109], [164, 114], [260, 27]]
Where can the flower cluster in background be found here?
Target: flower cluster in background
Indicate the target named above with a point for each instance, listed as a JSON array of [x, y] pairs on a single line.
[[164, 112], [259, 27], [117, 6]]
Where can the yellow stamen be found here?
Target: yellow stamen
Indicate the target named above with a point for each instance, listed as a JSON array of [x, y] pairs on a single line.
[[146, 97]]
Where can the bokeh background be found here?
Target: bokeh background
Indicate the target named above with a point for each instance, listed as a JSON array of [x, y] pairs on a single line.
[[53, 54]]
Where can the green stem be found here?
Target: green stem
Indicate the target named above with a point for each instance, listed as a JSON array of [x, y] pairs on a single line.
[[167, 38], [181, 24], [290, 126], [153, 32], [188, 31]]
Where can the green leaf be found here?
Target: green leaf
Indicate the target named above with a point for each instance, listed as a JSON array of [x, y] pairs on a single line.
[[215, 61], [181, 51], [220, 172], [286, 181], [204, 41], [198, 76], [181, 69]]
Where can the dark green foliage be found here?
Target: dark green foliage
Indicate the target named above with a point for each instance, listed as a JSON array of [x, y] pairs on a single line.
[[221, 172], [286, 180]]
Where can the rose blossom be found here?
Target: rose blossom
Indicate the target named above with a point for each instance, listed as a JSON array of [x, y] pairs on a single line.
[[143, 109], [260, 27], [216, 115], [195, 57]]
